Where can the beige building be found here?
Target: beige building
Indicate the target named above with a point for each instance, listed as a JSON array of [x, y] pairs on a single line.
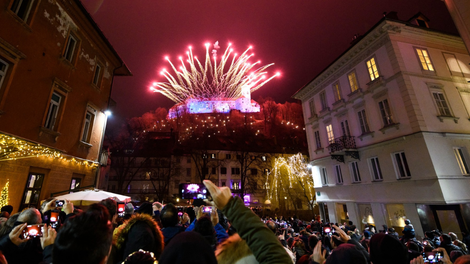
[[388, 129]]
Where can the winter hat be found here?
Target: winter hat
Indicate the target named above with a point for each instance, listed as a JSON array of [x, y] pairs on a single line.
[[346, 254], [188, 248], [7, 208], [129, 209], [386, 249], [407, 221], [145, 208]]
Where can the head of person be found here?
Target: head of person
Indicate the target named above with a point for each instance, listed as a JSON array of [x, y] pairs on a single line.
[[169, 215], [272, 226], [129, 209], [453, 236], [205, 227], [84, 238], [407, 222], [445, 239], [111, 205], [31, 216], [312, 241], [347, 254], [7, 208], [145, 208], [140, 257], [188, 247], [386, 249]]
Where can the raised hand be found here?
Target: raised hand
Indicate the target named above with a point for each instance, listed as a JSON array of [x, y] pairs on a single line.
[[220, 196]]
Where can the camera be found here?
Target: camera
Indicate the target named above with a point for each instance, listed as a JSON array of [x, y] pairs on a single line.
[[59, 203], [432, 257], [120, 208], [193, 191], [33, 231], [207, 209]]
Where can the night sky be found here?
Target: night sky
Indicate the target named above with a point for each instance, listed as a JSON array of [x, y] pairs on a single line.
[[301, 37]]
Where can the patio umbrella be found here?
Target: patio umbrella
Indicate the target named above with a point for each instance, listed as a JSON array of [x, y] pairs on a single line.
[[88, 197]]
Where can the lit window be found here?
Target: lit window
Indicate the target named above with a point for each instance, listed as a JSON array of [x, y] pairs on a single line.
[[267, 171], [385, 112], [324, 176], [353, 81], [423, 56], [22, 8], [337, 91], [461, 160], [375, 169], [338, 174], [401, 165], [441, 104], [3, 71], [324, 104], [311, 106], [373, 70], [70, 48], [354, 167], [88, 127], [363, 121], [213, 155], [52, 111], [329, 131], [235, 185], [97, 75], [32, 191], [264, 158], [317, 139]]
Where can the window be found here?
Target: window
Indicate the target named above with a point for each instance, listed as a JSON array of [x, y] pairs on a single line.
[[373, 70], [337, 91], [178, 160], [88, 127], [401, 165], [223, 183], [188, 172], [324, 104], [228, 156], [441, 103], [213, 171], [204, 155], [363, 121], [32, 191], [354, 167], [385, 112], [235, 170], [345, 128], [374, 167], [235, 185], [254, 171], [329, 132], [223, 170], [311, 106], [22, 8], [353, 81], [3, 71], [423, 56], [213, 155], [338, 174], [461, 160], [75, 183], [267, 171], [70, 48], [324, 176], [53, 110], [264, 158], [97, 75], [453, 64], [317, 139]]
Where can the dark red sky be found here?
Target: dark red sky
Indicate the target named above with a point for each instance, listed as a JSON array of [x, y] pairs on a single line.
[[300, 36]]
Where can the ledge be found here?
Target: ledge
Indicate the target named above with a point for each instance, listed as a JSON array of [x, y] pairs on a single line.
[[456, 119], [376, 83], [428, 72], [338, 104], [363, 135], [84, 144], [21, 21], [49, 132], [319, 150], [354, 95], [387, 127], [325, 110]]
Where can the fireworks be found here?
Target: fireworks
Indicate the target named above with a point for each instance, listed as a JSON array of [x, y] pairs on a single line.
[[226, 78]]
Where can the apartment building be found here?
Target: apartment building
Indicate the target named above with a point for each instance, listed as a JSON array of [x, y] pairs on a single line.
[[56, 73], [388, 129]]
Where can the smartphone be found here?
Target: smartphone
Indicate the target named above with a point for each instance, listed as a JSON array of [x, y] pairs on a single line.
[[120, 208], [431, 257], [193, 191], [180, 213], [33, 231], [59, 203], [326, 229], [207, 209]]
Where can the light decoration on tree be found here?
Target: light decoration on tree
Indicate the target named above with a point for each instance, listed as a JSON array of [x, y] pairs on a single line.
[[12, 148], [4, 195], [290, 177]]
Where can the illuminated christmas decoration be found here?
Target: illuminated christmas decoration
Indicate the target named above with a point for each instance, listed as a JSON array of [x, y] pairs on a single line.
[[290, 178], [218, 86], [4, 195], [12, 148]]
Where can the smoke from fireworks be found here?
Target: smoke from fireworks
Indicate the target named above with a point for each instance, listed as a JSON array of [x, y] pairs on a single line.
[[211, 79]]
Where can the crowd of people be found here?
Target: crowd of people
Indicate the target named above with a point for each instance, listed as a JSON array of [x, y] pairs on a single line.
[[227, 232]]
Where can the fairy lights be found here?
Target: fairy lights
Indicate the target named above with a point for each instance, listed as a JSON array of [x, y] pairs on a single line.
[[12, 148], [229, 77]]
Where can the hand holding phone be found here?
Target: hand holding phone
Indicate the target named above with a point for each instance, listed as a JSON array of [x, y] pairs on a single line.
[[33, 231], [59, 203], [16, 235]]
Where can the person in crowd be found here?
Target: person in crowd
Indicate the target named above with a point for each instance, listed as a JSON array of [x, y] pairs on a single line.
[[128, 211], [7, 208], [139, 232], [3, 218], [157, 209], [446, 243], [466, 239], [187, 247], [212, 230], [140, 257], [393, 233], [458, 243], [386, 249], [170, 222], [111, 205], [234, 250]]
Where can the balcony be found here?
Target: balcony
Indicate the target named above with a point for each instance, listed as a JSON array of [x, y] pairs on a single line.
[[341, 146]]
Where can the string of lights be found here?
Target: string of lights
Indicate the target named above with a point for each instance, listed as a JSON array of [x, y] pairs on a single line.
[[12, 148]]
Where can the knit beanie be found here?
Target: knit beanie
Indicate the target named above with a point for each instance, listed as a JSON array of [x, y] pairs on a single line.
[[386, 249], [346, 254], [129, 209], [145, 208], [188, 248]]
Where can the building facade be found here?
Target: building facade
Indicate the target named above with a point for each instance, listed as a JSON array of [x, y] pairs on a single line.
[[388, 129], [56, 73]]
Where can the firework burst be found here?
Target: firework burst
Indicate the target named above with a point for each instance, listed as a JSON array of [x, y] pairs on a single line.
[[226, 78]]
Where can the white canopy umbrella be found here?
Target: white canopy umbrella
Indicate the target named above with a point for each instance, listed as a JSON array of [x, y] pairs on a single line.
[[88, 197]]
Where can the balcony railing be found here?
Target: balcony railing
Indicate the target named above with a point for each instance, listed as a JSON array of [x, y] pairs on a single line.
[[342, 143]]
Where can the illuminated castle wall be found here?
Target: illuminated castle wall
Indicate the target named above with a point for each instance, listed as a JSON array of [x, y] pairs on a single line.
[[218, 105]]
